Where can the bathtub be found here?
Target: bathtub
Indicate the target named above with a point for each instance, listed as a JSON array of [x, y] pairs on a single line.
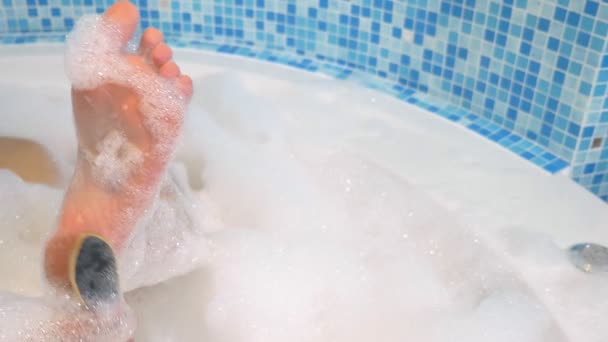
[[489, 187], [523, 210]]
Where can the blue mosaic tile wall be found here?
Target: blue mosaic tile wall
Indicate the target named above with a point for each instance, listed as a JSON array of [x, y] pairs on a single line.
[[531, 75]]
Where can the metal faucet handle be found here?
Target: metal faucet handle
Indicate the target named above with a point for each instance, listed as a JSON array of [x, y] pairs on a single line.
[[589, 257]]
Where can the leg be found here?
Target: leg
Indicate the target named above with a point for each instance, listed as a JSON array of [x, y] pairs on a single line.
[[125, 144], [29, 160]]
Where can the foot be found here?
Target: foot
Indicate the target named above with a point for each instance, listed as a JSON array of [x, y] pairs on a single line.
[[128, 110]]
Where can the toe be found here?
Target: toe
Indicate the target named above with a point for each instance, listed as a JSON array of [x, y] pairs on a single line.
[[184, 84], [169, 70], [125, 16], [161, 54], [149, 40]]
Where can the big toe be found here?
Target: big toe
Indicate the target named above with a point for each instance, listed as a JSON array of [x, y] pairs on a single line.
[[125, 16]]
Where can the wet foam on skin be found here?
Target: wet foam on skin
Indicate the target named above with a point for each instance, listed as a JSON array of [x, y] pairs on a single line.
[[115, 159], [95, 57], [59, 319]]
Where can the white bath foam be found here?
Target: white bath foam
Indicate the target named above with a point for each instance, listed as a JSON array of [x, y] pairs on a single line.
[[572, 296], [388, 272], [57, 319], [170, 240], [318, 241], [29, 213], [328, 246]]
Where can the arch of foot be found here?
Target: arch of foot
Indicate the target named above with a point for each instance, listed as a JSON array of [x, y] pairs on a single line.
[[482, 56]]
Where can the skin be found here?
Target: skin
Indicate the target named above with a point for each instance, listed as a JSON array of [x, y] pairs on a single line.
[[90, 207]]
